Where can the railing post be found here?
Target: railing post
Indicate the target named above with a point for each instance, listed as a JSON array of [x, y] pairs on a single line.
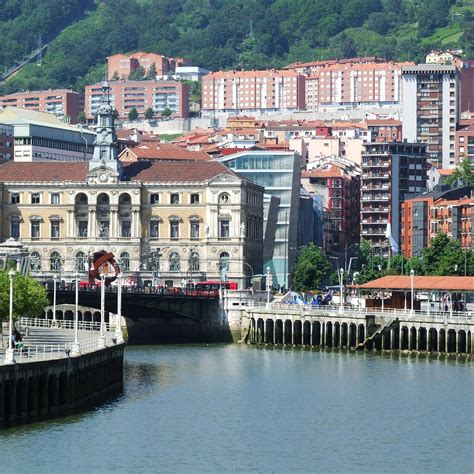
[[102, 344]]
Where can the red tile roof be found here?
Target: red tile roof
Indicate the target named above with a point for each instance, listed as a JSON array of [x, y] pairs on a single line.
[[41, 172], [161, 151], [402, 282]]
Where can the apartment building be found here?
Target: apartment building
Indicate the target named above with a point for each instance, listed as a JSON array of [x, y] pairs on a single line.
[[464, 142], [141, 95], [425, 216], [120, 66], [352, 83], [385, 130], [337, 181], [431, 110], [258, 92], [390, 170], [6, 141], [64, 103]]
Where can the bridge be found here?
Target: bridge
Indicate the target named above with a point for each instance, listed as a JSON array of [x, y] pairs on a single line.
[[359, 328]]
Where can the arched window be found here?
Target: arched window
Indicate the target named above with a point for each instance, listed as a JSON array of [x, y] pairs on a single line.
[[125, 199], [224, 198], [124, 261], [35, 262], [56, 262], [81, 199], [224, 261], [103, 199], [193, 262], [80, 263], [175, 262]]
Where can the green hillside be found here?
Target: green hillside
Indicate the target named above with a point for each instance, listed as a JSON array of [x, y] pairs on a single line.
[[218, 34]]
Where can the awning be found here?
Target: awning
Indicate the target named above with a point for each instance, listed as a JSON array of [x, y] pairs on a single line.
[[420, 283]]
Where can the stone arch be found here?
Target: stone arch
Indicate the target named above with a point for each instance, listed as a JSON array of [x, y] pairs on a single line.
[[344, 335], [432, 340], [260, 331], [329, 334], [337, 335], [442, 340], [87, 316], [361, 333], [352, 335], [96, 317], [81, 199], [413, 341], [125, 199], [278, 331], [68, 315], [469, 342], [387, 339], [451, 344], [404, 339], [316, 333], [462, 342], [103, 199], [269, 329], [297, 332], [287, 332], [422, 339], [306, 333], [377, 342]]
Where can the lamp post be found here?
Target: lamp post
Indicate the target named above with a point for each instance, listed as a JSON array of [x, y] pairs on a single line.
[[118, 329], [55, 282], [251, 269], [75, 346], [269, 284], [102, 311], [10, 353], [341, 295], [412, 275]]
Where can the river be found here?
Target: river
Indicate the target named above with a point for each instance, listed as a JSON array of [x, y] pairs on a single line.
[[234, 408]]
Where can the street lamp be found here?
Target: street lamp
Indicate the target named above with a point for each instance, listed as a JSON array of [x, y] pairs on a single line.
[[55, 281], [412, 275], [251, 269], [341, 296], [75, 346], [102, 311], [269, 284], [118, 329], [10, 353]]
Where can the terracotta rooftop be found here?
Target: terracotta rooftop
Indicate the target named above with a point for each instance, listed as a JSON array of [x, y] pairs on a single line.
[[161, 151], [436, 283], [384, 122], [41, 172]]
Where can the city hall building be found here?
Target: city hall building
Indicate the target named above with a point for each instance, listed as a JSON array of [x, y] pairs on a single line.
[[167, 221]]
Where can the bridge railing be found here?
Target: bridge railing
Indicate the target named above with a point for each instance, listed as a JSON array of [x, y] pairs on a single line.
[[62, 324], [41, 352], [334, 310]]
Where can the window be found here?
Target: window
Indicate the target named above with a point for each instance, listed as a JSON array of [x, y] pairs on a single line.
[[35, 198], [82, 228], [224, 230], [80, 263], [55, 229], [224, 262], [154, 198], [15, 198], [194, 230], [193, 262], [126, 229], [35, 262], [154, 229], [174, 229], [124, 261], [81, 199], [224, 197], [55, 262], [104, 229], [194, 198], [55, 198], [35, 229], [125, 199], [15, 227], [174, 198], [175, 263]]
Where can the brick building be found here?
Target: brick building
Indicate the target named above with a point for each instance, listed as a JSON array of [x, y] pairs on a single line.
[[385, 130], [464, 142], [438, 212], [122, 65], [237, 92], [6, 141], [126, 95], [60, 102]]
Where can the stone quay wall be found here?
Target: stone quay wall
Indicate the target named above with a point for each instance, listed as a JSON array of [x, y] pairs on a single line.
[[33, 391]]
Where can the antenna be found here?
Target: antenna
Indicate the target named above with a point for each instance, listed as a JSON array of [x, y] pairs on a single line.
[[40, 51]]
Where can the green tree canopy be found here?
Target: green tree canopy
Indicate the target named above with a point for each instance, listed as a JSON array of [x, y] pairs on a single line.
[[29, 297], [138, 74], [149, 113], [463, 175], [133, 114], [166, 112], [311, 270], [152, 72]]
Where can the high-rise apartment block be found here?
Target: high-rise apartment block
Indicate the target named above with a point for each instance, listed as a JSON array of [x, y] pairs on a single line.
[[431, 109], [238, 92], [120, 66], [64, 103], [354, 82], [141, 95], [389, 172], [464, 139]]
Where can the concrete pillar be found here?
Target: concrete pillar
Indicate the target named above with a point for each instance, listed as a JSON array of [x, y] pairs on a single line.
[[264, 335], [457, 342], [274, 331], [293, 333], [311, 333]]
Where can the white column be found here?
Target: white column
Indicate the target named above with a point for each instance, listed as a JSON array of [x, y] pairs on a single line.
[[75, 347], [55, 282], [10, 352], [102, 311]]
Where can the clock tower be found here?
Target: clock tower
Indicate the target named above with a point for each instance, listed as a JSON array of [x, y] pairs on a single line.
[[105, 163]]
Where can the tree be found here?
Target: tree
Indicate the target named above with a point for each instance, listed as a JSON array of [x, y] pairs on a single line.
[[311, 269], [152, 72], [115, 76], [137, 75], [133, 114], [166, 112], [29, 297], [463, 174], [81, 117], [149, 113]]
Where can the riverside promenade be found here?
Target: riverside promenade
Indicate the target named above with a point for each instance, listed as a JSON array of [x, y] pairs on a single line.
[[359, 328], [61, 369]]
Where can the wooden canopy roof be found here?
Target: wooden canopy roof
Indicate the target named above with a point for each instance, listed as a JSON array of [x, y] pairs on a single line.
[[420, 283]]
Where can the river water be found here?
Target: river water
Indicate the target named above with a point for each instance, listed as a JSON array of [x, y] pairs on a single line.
[[234, 408]]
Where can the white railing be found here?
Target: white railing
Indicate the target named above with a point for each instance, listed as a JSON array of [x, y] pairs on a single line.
[[40, 352], [334, 311], [93, 344], [62, 324]]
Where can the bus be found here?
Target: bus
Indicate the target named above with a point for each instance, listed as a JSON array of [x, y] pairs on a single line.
[[211, 288]]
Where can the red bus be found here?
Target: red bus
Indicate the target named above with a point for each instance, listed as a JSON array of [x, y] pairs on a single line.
[[211, 288]]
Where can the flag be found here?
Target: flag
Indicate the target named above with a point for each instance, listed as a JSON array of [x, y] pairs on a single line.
[[389, 236]]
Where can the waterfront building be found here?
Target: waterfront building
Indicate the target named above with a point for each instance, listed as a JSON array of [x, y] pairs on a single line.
[[431, 110], [140, 95], [437, 212], [168, 221], [279, 173], [64, 103], [390, 170], [258, 92], [39, 136]]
